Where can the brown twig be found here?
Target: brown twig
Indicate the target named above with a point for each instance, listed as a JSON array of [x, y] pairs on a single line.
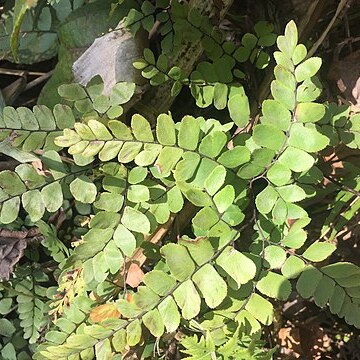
[[340, 8]]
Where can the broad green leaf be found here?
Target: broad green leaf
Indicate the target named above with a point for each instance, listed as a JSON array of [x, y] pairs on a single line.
[[274, 285], [269, 137], [145, 298], [159, 282], [205, 218], [260, 308], [238, 266], [287, 43], [204, 95], [337, 299], [83, 190], [109, 202], [5, 306], [220, 96], [307, 139], [283, 94], [129, 151], [212, 144], [213, 288], [92, 149], [248, 322], [296, 160], [52, 196], [165, 130], [72, 92], [275, 256], [104, 220], [175, 200], [153, 321], [279, 174], [233, 215], [299, 54], [292, 267], [80, 341], [133, 332], [215, 180], [285, 77], [113, 257], [137, 175], [234, 157], [124, 240], [33, 204], [10, 210], [309, 112], [291, 193], [11, 118], [266, 200], [138, 193], [239, 109], [188, 299], [64, 116], [80, 147], [341, 270], [99, 130], [161, 212], [178, 260], [263, 156], [69, 138], [309, 91], [275, 114], [141, 128], [148, 155], [224, 198], [100, 267], [295, 239], [120, 130], [6, 328], [121, 93], [324, 291], [34, 141], [29, 175], [11, 183], [186, 168], [200, 249], [319, 251], [8, 352], [189, 133], [307, 69], [84, 131], [194, 194], [134, 220], [308, 281], [169, 314], [280, 212], [103, 350], [167, 159], [128, 309], [119, 340]]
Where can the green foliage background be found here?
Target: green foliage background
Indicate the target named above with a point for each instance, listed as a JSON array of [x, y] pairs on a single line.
[[117, 183]]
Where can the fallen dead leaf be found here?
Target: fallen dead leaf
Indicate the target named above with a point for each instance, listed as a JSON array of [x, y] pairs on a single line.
[[134, 275]]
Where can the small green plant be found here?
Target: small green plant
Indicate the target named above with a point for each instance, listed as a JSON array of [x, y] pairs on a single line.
[[109, 188]]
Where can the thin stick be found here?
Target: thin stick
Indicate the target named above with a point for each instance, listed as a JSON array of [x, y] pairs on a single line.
[[16, 72], [38, 80], [341, 6]]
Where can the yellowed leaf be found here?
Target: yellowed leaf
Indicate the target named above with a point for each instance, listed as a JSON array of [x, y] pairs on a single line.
[[103, 312]]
